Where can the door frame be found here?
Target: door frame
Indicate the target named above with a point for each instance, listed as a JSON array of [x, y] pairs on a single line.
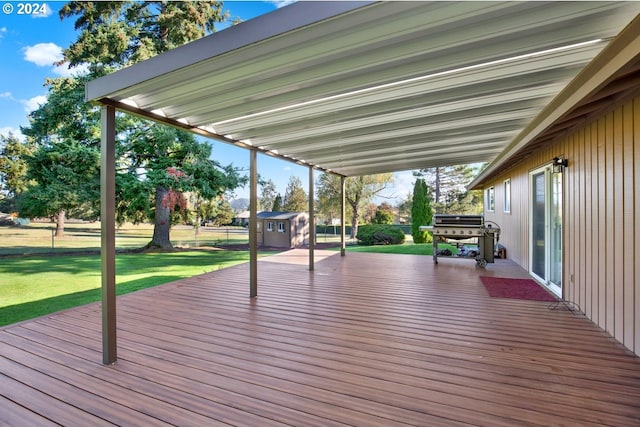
[[547, 169]]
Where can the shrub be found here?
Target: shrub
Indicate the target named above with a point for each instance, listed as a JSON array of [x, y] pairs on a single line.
[[379, 234]]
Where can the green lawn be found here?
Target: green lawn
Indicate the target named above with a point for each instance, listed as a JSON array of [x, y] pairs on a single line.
[[41, 284], [406, 248], [36, 238], [35, 286]]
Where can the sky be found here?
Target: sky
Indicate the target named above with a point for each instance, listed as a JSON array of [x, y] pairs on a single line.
[[32, 38]]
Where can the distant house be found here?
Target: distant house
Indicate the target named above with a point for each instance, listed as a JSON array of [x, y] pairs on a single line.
[[283, 229], [241, 218]]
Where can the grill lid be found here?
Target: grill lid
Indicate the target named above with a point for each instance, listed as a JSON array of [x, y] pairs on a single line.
[[458, 220]]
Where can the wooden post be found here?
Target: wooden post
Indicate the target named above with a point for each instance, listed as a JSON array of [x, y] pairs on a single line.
[[343, 217], [253, 223], [312, 221], [108, 233]]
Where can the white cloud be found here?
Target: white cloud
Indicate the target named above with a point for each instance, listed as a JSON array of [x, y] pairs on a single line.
[[3, 31], [46, 54], [45, 11], [33, 103], [43, 54], [6, 95], [286, 168]]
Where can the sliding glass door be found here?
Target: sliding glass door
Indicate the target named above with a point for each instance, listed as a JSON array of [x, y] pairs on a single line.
[[546, 228]]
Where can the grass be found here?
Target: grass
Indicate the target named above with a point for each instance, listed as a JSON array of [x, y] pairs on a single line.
[[35, 286], [40, 284], [36, 238], [406, 248]]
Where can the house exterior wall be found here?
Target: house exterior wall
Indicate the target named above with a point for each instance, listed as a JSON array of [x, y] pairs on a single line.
[[299, 230], [601, 218]]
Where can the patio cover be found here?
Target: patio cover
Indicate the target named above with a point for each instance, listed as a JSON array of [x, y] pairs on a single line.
[[358, 88], [362, 88]]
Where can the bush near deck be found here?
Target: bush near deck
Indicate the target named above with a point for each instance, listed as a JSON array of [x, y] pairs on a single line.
[[379, 234]]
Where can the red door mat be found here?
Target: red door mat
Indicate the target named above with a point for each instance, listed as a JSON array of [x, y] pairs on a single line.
[[503, 287]]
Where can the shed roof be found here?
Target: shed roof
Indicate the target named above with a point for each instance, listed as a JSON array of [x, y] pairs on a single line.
[[360, 88], [280, 215]]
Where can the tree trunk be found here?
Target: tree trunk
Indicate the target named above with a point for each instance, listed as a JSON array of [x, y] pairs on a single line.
[[162, 223], [60, 224], [355, 217], [354, 225]]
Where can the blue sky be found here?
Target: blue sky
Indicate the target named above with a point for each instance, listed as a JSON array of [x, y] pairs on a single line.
[[30, 44]]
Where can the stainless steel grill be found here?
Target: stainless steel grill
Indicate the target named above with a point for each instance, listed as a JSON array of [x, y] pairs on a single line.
[[471, 229]]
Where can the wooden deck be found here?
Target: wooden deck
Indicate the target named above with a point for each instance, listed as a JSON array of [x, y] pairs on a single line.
[[368, 339]]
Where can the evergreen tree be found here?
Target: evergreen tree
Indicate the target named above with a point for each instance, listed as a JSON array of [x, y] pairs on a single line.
[[295, 199], [68, 183], [64, 166], [421, 213], [120, 33], [157, 164], [277, 204], [13, 171]]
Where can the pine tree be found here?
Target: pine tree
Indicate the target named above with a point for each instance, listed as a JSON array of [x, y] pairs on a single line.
[[157, 164], [421, 212], [277, 204]]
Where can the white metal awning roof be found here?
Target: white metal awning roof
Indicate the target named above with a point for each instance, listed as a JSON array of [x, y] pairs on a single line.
[[365, 88]]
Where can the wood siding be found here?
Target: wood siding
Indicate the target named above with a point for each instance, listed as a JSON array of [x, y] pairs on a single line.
[[601, 267]]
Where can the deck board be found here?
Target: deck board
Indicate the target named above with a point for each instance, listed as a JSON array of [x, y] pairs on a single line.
[[366, 339]]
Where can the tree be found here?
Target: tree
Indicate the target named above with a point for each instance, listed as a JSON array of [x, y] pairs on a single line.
[[159, 164], [268, 195], [13, 171], [359, 191], [64, 164], [67, 178], [277, 204], [156, 164], [421, 213], [218, 211], [448, 187], [384, 214], [116, 34], [295, 199]]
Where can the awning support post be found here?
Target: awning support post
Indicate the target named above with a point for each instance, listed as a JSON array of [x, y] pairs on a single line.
[[108, 233], [343, 217], [253, 223], [312, 221]]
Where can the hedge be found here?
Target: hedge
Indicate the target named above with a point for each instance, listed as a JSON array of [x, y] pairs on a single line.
[[379, 234]]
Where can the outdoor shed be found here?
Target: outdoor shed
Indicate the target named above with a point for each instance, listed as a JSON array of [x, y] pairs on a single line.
[[283, 229]]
